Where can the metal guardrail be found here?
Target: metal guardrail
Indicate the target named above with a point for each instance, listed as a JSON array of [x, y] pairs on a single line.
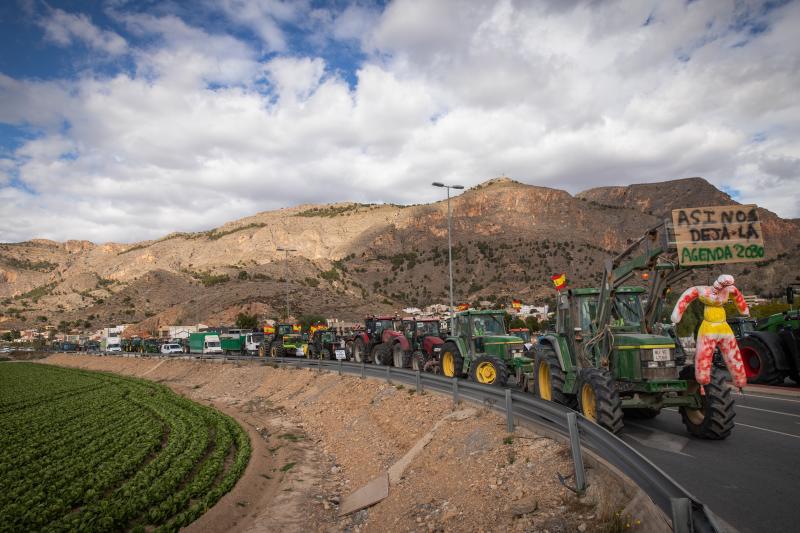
[[687, 512]]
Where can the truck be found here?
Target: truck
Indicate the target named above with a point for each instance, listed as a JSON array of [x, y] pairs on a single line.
[[207, 342], [110, 344], [241, 342]]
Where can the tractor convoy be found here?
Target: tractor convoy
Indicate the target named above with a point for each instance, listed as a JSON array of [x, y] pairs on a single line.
[[610, 353]]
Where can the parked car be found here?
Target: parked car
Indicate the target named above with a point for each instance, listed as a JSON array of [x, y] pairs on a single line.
[[171, 348]]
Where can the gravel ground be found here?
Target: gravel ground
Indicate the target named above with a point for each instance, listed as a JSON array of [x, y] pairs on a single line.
[[318, 437]]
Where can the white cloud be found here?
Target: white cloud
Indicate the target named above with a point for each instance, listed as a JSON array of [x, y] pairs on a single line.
[[65, 29], [568, 95]]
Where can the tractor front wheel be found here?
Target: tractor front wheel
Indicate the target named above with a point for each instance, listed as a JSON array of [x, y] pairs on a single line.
[[598, 400], [325, 354], [489, 370], [549, 384], [452, 362], [714, 419], [418, 361], [359, 351]]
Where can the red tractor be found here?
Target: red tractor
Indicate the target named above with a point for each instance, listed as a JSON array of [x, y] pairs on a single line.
[[425, 344], [376, 341]]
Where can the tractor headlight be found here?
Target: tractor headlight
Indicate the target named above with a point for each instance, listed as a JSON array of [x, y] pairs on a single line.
[[437, 349]]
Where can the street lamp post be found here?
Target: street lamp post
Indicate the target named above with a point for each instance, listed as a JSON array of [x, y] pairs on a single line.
[[286, 275], [449, 247]]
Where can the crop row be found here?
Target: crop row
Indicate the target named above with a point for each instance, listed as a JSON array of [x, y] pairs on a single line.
[[108, 453]]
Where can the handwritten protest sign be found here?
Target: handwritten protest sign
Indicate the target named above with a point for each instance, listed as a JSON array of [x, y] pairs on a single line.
[[720, 234]]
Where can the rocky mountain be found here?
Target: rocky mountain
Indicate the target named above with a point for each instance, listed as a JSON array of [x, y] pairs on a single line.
[[352, 259]]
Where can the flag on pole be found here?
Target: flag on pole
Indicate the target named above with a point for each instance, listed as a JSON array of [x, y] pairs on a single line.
[[297, 328], [516, 304], [559, 280], [269, 330], [462, 307]]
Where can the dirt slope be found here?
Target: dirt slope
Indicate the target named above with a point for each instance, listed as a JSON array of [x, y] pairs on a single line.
[[318, 437]]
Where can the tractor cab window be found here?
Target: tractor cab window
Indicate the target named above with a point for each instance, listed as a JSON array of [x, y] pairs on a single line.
[[284, 329], [627, 311], [460, 326], [427, 328], [587, 310], [381, 325], [487, 325]]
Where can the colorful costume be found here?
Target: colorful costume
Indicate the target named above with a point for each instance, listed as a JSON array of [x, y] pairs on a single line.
[[715, 331]]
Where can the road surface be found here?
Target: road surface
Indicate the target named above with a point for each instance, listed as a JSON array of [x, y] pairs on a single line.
[[750, 479]]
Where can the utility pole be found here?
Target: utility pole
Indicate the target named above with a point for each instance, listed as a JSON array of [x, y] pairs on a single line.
[[449, 246], [286, 275]]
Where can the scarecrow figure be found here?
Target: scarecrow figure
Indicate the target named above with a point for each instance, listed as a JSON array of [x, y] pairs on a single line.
[[715, 331]]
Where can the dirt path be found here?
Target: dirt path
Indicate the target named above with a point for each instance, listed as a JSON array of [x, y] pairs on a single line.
[[317, 437]]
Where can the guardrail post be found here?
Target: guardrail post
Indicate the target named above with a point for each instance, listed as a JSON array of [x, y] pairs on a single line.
[[340, 367], [509, 412], [419, 381], [362, 369], [456, 399], [319, 364], [388, 374], [577, 458], [681, 515]]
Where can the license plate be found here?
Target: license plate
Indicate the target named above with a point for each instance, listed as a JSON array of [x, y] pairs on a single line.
[[340, 354], [660, 354], [437, 349]]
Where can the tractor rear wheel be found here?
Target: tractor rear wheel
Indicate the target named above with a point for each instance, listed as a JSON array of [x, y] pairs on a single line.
[[381, 354], [714, 419], [359, 351], [399, 357], [452, 362], [325, 354], [276, 349], [489, 370], [549, 384], [418, 361], [759, 361], [598, 400]]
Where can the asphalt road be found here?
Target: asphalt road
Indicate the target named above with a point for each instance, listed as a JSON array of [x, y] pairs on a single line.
[[751, 479]]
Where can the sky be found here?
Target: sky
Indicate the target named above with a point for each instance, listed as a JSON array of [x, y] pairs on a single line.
[[126, 120]]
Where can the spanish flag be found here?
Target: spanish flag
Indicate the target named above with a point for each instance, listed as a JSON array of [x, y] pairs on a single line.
[[559, 280], [462, 307], [269, 330], [297, 328], [516, 304]]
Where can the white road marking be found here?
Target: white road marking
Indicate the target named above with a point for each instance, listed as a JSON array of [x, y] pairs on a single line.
[[767, 397], [740, 406], [658, 439], [769, 430]]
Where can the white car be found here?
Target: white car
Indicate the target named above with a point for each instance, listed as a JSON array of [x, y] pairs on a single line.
[[171, 348], [113, 348]]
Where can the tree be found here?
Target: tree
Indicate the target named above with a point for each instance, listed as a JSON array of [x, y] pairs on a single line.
[[532, 323], [516, 322], [245, 321]]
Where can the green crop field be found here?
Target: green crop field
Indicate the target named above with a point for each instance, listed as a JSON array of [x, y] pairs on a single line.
[[86, 451]]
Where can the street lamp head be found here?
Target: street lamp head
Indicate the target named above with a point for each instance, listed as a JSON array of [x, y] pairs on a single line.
[[457, 186], [437, 184]]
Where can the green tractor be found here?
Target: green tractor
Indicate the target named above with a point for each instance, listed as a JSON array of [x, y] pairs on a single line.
[[771, 349], [480, 348], [606, 357], [283, 341]]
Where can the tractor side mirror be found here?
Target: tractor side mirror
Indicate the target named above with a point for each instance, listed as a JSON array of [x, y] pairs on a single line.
[[578, 335]]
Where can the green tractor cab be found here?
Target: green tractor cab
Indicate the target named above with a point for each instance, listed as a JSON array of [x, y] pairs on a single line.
[[480, 348], [602, 367]]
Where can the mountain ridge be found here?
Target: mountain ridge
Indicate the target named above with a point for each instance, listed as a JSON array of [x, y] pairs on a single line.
[[354, 258]]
